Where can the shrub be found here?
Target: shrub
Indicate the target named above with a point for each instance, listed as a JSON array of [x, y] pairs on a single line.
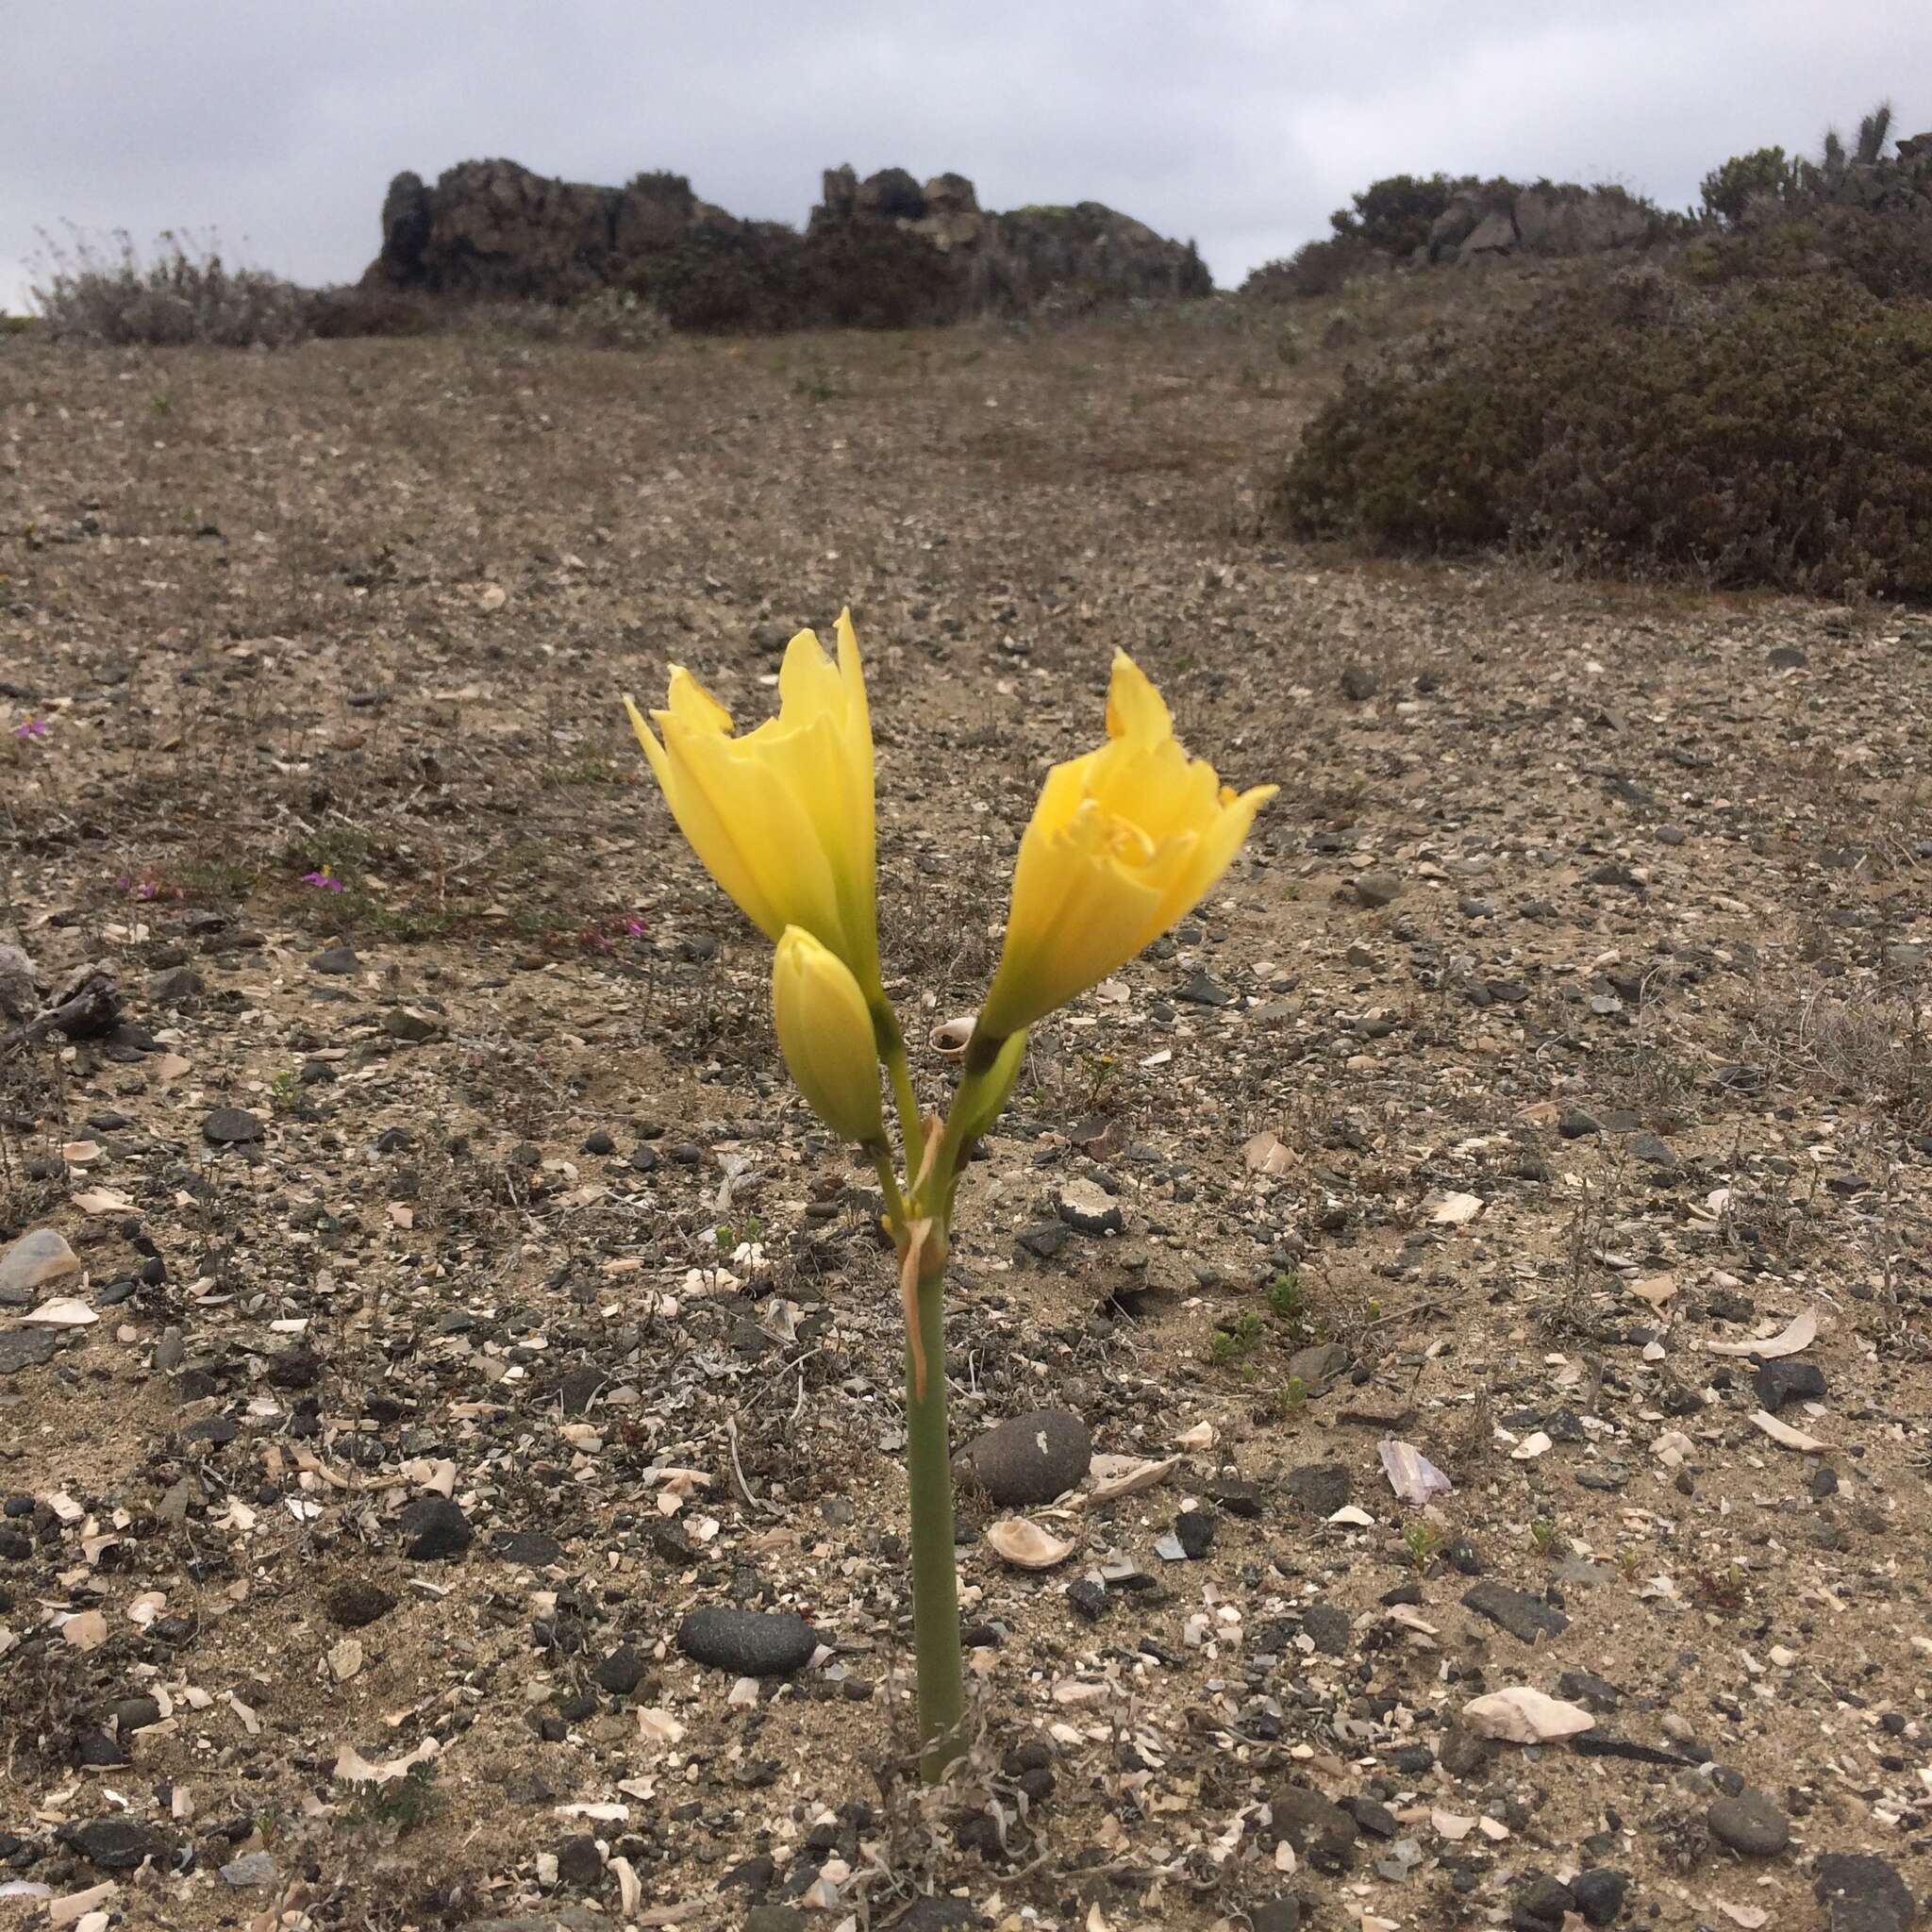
[[718, 282], [764, 278], [1395, 214], [604, 319], [1888, 255], [335, 315], [1322, 267], [1752, 433], [866, 275], [95, 293], [1730, 194]]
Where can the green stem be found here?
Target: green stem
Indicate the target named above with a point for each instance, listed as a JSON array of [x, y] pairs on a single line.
[[891, 1042], [889, 1187], [969, 1100], [934, 1572]]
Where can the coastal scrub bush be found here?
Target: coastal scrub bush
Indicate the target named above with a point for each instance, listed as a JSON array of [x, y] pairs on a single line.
[[1753, 432], [106, 292]]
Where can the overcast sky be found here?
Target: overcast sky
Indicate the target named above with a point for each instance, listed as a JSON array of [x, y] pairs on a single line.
[[1241, 123]]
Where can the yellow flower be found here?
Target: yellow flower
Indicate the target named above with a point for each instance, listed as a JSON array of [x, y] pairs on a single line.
[[825, 1034], [783, 816], [1122, 842]]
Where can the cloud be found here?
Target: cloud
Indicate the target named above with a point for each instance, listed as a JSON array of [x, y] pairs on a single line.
[[1241, 123]]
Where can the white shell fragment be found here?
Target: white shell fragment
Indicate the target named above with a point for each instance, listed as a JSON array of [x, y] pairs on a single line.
[[1266, 1154], [1411, 1474], [351, 1767], [1784, 1434], [63, 1311], [1793, 1340], [1523, 1716], [1022, 1543], [1115, 1476], [951, 1037]]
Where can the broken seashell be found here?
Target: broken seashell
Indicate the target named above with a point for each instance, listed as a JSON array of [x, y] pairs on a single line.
[[950, 1037], [1797, 1336], [1524, 1716], [1022, 1543], [1783, 1433], [1115, 1476]]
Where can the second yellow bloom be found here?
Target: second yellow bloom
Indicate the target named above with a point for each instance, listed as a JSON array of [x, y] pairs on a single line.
[[1123, 842], [782, 817]]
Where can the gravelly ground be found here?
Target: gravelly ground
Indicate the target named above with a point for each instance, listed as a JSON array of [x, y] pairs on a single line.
[[1558, 1038]]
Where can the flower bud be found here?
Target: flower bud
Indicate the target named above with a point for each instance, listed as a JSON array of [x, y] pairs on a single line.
[[825, 1034]]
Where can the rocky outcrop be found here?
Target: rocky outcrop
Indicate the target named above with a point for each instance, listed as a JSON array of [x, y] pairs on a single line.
[[496, 228], [1013, 261], [886, 250], [1500, 218]]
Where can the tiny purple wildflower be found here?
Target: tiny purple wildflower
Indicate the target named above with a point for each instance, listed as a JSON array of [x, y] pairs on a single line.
[[324, 880], [33, 728]]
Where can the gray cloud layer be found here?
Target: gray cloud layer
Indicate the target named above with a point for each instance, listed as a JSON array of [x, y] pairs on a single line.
[[1238, 122]]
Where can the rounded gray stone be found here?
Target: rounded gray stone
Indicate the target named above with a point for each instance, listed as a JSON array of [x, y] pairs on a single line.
[[1028, 1459], [1751, 1823]]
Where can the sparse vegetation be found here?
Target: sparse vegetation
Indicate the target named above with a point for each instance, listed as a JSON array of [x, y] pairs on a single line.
[[108, 293], [1239, 1338], [1763, 432], [1395, 214], [1423, 1542]]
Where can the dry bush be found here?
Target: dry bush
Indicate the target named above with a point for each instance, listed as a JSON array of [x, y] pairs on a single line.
[[606, 319], [336, 314], [106, 292], [764, 278], [1322, 267], [1865, 1042], [1760, 432]]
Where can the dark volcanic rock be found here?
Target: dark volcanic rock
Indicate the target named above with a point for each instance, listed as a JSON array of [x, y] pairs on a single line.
[[495, 228], [748, 1643], [620, 1672], [1779, 1382], [1028, 1459], [1863, 1894], [119, 1844], [1599, 1895], [435, 1527], [533, 1548], [1193, 1531], [1312, 1825], [1524, 1616], [1319, 1487], [27, 1348], [580, 1863], [357, 1603]]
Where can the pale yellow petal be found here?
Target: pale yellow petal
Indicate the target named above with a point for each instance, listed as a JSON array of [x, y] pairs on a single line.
[[1215, 853], [1122, 842], [809, 683], [693, 705], [1134, 708], [743, 823]]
